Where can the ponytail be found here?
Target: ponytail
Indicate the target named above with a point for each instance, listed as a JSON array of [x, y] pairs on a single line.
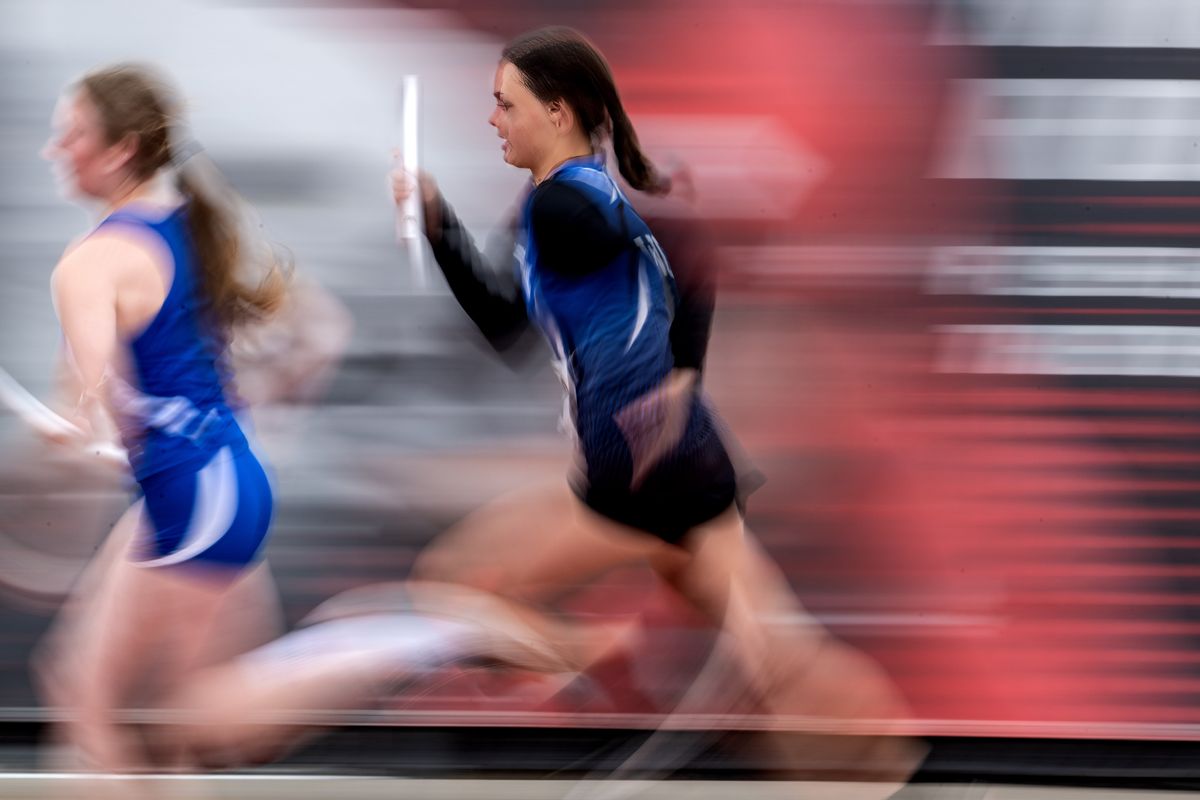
[[221, 253], [632, 163]]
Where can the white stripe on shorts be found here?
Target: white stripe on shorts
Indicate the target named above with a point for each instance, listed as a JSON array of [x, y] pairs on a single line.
[[212, 514]]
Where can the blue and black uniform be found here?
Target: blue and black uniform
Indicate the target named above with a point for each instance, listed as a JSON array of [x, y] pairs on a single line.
[[595, 280], [206, 496]]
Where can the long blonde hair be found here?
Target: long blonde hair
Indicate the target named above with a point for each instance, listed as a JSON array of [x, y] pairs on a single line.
[[134, 100]]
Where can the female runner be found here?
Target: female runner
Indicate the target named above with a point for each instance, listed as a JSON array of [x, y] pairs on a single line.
[[654, 483], [148, 302]]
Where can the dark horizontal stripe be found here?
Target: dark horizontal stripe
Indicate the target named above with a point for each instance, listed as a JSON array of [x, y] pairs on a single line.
[[1133, 63], [1123, 310], [1128, 201], [1169, 216], [1085, 213], [1001, 381], [1113, 227], [1035, 317], [1114, 235], [1172, 220], [1011, 190]]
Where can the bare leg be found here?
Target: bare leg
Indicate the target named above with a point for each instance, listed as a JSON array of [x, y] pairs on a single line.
[[795, 667], [255, 708], [532, 547], [358, 646], [536, 544], [55, 658], [137, 622]]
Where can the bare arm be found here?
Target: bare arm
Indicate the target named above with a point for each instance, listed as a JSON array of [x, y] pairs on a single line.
[[85, 287]]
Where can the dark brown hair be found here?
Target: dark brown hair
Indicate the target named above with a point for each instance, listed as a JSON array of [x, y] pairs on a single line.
[[133, 100], [559, 63]]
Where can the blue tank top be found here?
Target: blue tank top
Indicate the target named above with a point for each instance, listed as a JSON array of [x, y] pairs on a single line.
[[173, 410], [609, 329]]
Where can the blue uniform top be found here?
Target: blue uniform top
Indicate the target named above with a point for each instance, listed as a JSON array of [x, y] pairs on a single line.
[[598, 285], [174, 411], [592, 277]]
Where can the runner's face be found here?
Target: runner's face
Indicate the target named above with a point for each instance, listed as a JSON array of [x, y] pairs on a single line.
[[521, 120], [82, 159]]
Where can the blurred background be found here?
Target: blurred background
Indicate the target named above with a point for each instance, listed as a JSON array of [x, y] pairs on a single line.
[[958, 330]]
